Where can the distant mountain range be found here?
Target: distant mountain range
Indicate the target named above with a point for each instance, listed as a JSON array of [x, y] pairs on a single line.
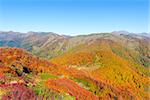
[[49, 45]]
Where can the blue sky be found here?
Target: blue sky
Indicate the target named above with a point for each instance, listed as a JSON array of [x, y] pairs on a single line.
[[73, 17]]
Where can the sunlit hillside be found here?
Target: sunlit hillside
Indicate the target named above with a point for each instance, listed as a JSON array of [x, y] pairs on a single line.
[[88, 67]]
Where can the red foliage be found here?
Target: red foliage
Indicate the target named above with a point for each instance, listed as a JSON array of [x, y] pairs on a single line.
[[69, 86], [19, 92]]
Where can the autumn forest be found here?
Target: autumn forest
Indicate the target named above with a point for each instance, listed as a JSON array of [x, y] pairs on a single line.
[[98, 66]]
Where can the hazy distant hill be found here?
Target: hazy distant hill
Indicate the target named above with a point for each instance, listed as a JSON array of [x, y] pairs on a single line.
[[12, 39]]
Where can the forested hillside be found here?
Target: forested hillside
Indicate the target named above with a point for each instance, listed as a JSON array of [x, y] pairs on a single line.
[[87, 67]]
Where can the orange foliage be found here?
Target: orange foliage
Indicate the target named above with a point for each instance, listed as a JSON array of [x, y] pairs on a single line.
[[5, 69], [11, 56], [80, 58], [118, 71]]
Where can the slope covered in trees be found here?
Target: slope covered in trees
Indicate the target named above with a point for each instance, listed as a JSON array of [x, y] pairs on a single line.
[[96, 66], [109, 61], [61, 80]]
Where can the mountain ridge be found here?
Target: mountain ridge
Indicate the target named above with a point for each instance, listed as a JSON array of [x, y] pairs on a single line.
[[50, 45]]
